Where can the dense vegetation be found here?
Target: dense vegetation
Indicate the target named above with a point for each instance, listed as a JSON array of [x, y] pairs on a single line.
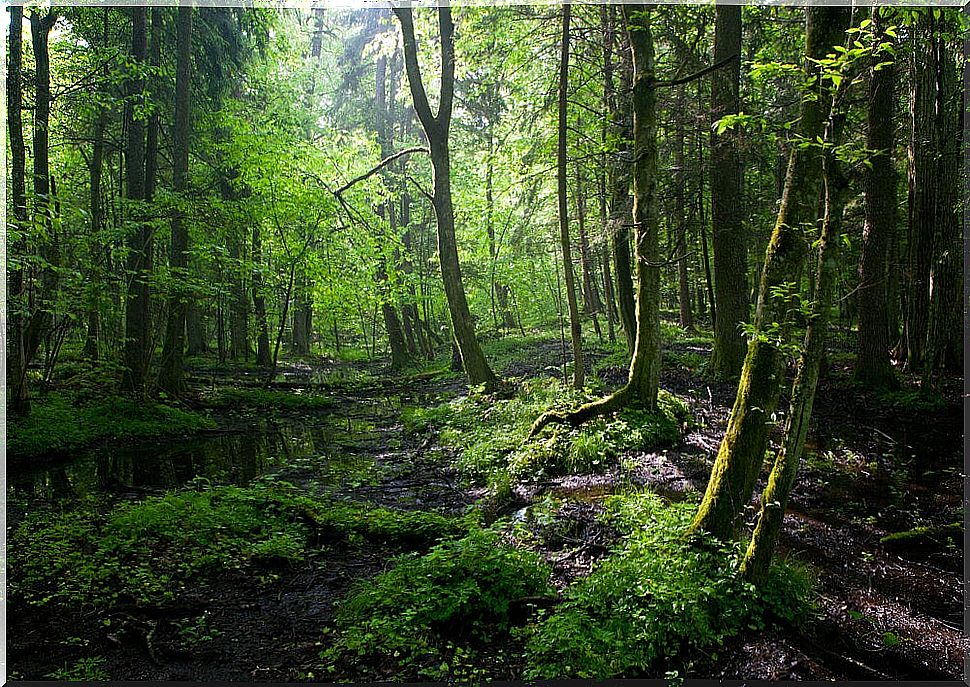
[[479, 342]]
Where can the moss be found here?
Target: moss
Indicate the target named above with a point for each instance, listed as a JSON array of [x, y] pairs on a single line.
[[927, 537], [61, 422]]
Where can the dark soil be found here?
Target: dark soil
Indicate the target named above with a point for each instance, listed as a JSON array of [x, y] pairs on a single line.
[[885, 612]]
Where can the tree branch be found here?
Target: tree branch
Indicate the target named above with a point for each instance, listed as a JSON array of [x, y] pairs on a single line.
[[696, 75], [383, 163]]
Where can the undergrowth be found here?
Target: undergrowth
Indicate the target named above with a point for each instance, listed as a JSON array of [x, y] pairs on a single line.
[[61, 422], [656, 596], [149, 552], [266, 399], [422, 617], [490, 432]]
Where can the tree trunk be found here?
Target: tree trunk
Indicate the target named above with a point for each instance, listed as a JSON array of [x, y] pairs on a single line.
[[259, 303], [741, 454], [873, 367], [575, 328], [618, 106], [171, 377], [139, 264], [16, 355], [436, 129], [680, 212], [592, 304], [730, 251], [774, 500]]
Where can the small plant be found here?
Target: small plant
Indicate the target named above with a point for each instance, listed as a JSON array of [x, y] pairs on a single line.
[[90, 669]]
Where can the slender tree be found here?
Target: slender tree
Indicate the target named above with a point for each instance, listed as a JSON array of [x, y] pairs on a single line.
[[436, 128], [16, 354], [742, 450], [575, 328]]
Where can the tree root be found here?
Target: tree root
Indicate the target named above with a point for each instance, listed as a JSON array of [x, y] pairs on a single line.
[[584, 413]]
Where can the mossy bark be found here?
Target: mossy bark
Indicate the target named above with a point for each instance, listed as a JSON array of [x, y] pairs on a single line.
[[774, 500], [741, 453]]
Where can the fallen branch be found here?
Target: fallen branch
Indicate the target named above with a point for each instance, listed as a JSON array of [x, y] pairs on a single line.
[[584, 413]]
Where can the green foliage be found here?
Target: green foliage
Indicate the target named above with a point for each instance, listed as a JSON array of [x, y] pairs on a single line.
[[61, 423], [152, 550], [419, 613], [915, 400], [656, 595], [88, 669], [490, 432]]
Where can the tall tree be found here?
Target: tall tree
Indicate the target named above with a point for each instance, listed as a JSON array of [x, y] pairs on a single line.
[[171, 377], [436, 128], [139, 263], [730, 251], [575, 328], [741, 453], [873, 366], [16, 355]]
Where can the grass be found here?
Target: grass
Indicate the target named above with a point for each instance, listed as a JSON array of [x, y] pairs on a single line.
[[62, 422]]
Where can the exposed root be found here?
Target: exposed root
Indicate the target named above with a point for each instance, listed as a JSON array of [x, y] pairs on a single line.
[[584, 413]]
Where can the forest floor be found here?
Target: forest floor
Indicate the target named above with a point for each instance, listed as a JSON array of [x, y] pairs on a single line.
[[887, 609]]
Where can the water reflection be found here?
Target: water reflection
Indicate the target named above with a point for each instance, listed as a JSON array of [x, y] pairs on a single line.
[[326, 449]]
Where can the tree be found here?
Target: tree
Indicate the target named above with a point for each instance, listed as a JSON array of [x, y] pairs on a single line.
[[730, 305], [139, 263], [170, 378], [741, 453], [436, 129], [575, 327], [16, 354], [873, 366]]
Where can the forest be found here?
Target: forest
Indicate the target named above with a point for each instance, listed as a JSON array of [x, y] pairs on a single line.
[[474, 343]]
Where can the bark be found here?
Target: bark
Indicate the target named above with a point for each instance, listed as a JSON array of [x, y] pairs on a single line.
[[16, 356], [741, 453], [436, 128], [139, 263], [774, 500], [575, 328], [171, 377], [259, 303], [618, 107], [944, 350], [302, 316], [680, 217], [238, 299], [195, 329], [730, 252], [592, 303], [873, 367]]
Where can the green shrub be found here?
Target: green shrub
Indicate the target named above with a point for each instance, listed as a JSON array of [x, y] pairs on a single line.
[[420, 613], [653, 597], [59, 423]]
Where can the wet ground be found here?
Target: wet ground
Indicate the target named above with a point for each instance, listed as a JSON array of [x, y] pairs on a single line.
[[886, 611]]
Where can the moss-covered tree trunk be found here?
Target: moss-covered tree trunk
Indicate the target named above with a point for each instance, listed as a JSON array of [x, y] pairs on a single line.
[[730, 305], [774, 500], [575, 328], [644, 377], [741, 453], [873, 367], [436, 128]]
